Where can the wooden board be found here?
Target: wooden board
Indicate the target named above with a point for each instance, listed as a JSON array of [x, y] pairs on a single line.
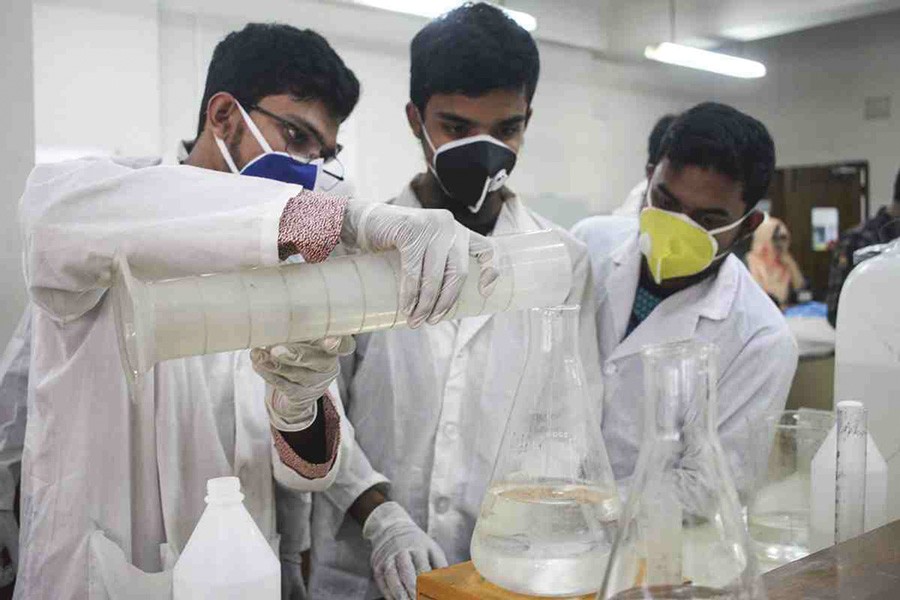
[[462, 582]]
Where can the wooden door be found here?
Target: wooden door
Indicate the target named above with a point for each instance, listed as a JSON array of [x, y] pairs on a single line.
[[796, 191]]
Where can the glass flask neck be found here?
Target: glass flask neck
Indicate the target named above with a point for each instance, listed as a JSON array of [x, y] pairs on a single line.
[[681, 389], [554, 332]]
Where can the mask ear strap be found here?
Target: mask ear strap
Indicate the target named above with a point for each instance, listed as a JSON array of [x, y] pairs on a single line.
[[425, 133], [223, 149], [484, 191], [733, 225], [254, 129], [431, 165]]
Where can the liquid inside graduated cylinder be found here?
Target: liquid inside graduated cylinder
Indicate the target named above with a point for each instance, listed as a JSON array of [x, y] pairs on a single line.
[[685, 591], [549, 539]]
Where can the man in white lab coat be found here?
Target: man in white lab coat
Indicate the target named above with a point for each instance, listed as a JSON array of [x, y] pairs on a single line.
[[673, 278], [429, 406], [113, 483]]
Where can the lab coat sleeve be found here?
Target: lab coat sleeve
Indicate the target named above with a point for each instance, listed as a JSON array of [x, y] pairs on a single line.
[[754, 386], [294, 473], [169, 221], [14, 365], [355, 474]]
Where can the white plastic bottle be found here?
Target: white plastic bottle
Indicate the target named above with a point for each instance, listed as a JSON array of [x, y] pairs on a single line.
[[227, 556]]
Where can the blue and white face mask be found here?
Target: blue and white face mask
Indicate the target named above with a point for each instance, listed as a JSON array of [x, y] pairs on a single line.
[[279, 166]]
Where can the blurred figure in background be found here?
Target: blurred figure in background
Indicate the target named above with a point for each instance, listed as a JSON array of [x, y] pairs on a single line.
[[632, 205], [771, 264], [882, 228]]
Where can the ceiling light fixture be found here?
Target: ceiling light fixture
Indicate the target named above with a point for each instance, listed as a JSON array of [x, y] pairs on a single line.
[[704, 60], [695, 58], [435, 8]]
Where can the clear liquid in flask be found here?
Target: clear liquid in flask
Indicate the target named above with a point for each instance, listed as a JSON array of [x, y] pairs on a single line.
[[546, 538]]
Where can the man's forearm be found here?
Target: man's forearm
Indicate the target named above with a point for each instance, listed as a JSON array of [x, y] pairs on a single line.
[[368, 501], [312, 452]]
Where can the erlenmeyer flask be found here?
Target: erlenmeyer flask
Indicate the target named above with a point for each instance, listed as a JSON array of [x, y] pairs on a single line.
[[549, 517], [682, 535]]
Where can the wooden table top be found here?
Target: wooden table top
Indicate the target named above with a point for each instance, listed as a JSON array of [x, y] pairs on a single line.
[[864, 568]]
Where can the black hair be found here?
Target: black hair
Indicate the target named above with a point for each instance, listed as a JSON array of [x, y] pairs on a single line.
[[897, 188], [654, 142], [264, 59], [472, 50], [719, 137]]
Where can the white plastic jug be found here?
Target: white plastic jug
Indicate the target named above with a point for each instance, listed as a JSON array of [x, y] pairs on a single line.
[[227, 556]]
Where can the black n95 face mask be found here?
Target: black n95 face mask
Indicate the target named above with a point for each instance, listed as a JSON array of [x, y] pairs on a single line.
[[470, 168]]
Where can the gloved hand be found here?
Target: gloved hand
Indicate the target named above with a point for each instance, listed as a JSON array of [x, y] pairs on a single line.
[[434, 254], [300, 373], [400, 551]]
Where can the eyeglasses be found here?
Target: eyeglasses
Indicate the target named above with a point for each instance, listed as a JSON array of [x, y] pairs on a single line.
[[303, 141], [306, 144]]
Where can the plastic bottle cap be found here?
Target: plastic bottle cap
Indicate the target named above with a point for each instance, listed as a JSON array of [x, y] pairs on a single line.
[[849, 404], [223, 489]]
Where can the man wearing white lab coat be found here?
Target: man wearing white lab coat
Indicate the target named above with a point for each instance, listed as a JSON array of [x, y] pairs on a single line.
[[429, 406], [113, 482], [715, 165]]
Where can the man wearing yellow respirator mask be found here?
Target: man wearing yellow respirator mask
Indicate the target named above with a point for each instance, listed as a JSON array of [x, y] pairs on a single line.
[[669, 276]]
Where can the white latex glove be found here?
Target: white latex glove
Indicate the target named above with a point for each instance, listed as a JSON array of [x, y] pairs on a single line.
[[434, 254], [300, 373], [400, 551]]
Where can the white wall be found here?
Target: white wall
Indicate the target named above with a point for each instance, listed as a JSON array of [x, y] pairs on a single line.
[[97, 80], [813, 98], [16, 152]]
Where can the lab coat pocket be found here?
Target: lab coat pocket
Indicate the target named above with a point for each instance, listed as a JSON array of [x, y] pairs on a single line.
[[113, 577]]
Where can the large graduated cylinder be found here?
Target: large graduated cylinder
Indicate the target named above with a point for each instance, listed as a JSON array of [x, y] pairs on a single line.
[[548, 519], [682, 535], [190, 316]]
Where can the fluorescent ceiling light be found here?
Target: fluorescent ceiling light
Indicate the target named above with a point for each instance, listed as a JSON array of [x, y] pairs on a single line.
[[435, 8], [695, 58]]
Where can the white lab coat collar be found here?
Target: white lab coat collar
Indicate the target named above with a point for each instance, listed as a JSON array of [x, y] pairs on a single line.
[[514, 217], [676, 317]]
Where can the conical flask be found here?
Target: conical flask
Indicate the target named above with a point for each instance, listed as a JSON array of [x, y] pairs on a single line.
[[682, 534], [549, 518]]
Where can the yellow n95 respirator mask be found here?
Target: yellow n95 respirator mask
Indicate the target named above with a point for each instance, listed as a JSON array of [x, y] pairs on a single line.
[[677, 246]]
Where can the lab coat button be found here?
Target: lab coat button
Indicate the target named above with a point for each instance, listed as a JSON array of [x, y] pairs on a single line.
[[442, 505], [610, 369], [450, 430]]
